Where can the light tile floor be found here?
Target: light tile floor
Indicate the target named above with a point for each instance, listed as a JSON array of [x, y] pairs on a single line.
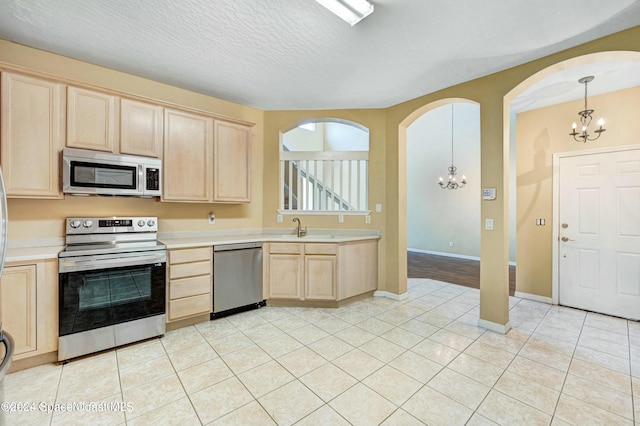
[[420, 361]]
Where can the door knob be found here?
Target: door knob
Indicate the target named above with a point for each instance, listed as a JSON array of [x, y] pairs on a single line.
[[565, 239]]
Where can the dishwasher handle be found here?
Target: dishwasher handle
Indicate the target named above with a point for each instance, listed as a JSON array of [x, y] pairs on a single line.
[[238, 246]]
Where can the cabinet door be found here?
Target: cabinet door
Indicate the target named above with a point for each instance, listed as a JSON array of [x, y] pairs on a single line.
[[18, 306], [285, 276], [92, 120], [361, 275], [187, 164], [320, 277], [140, 128], [32, 136], [232, 163]]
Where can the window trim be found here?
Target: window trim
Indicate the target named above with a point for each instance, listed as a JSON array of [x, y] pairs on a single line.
[[287, 156]]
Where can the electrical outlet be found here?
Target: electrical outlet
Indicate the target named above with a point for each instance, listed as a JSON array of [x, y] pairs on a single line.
[[340, 218], [367, 219], [488, 224], [212, 218], [378, 208], [279, 218], [450, 243]]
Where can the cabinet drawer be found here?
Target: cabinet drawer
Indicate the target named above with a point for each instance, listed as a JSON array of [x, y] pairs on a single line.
[[190, 306], [190, 269], [189, 255], [313, 248], [193, 286], [284, 248]]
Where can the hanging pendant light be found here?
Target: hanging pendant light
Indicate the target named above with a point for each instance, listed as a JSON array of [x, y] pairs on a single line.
[[585, 118], [452, 183]]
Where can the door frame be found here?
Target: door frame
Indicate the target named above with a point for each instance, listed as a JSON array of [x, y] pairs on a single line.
[[555, 279]]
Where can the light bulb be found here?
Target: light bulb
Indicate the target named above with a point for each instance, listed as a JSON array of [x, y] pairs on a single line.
[[574, 125], [601, 122]]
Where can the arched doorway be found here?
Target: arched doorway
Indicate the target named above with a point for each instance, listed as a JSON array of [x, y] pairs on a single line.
[[542, 136], [442, 231]]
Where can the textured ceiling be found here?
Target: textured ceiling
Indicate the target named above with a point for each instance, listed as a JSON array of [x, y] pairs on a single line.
[[294, 54]]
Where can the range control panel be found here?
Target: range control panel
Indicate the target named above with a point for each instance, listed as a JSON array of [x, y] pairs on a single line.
[[110, 225]]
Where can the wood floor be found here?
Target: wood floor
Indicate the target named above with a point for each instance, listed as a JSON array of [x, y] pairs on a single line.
[[450, 269]]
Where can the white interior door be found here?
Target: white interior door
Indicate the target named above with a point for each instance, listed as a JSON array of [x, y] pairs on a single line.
[[599, 247]]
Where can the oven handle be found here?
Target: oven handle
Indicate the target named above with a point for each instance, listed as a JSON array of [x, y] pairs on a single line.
[[91, 263]]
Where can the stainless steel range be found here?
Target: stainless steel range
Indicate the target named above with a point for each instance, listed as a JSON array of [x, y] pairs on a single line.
[[112, 277]]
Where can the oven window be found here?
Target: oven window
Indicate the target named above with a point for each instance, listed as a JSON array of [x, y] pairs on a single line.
[[103, 175], [99, 291], [94, 299]]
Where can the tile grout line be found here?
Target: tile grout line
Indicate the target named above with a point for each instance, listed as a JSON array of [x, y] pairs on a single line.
[[180, 380], [568, 368], [475, 411]]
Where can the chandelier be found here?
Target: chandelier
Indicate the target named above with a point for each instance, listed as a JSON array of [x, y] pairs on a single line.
[[451, 182], [585, 118]]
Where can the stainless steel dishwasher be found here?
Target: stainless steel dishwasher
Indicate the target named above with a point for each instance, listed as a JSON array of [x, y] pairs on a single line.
[[237, 278]]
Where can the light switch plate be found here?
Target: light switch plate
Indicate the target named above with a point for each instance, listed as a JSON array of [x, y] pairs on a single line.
[[340, 218], [279, 218], [367, 219], [378, 208], [488, 224]]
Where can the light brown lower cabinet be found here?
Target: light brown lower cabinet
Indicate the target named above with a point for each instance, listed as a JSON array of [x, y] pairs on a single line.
[[29, 306], [320, 271], [189, 284]]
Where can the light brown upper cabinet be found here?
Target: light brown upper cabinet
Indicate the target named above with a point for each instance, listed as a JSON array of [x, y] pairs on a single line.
[[92, 120], [188, 162], [205, 160], [232, 163], [140, 128], [33, 115]]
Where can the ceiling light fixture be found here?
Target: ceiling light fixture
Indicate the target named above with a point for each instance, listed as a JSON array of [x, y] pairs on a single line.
[[452, 183], [351, 11], [585, 118]]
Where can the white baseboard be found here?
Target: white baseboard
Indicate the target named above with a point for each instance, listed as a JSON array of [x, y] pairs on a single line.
[[493, 326], [534, 297], [392, 296], [441, 253]]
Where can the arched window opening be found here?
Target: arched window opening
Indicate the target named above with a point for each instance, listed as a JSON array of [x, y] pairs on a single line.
[[324, 168]]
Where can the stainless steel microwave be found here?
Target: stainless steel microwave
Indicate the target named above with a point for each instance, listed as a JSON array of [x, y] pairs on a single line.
[[87, 172]]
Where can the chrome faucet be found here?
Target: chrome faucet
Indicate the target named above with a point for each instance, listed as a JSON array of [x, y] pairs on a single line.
[[301, 232]]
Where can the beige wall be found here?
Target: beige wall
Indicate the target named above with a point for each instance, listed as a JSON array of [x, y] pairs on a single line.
[[44, 218], [540, 134]]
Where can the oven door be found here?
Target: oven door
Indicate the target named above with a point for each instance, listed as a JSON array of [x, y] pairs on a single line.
[[99, 291]]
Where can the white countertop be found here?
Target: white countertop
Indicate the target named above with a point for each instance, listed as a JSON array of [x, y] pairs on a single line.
[[20, 254], [328, 236], [37, 249]]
